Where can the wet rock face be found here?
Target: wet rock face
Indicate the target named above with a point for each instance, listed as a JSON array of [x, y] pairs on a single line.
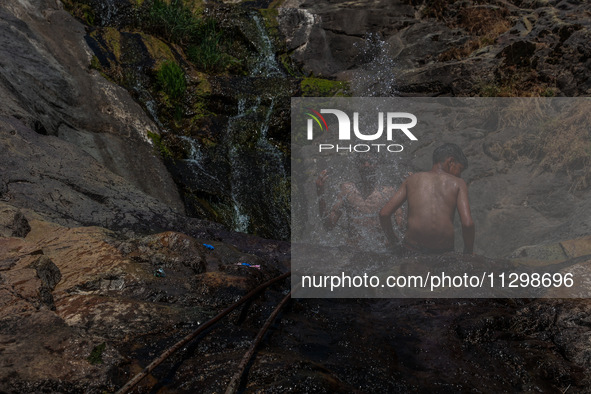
[[67, 184], [468, 48], [46, 84]]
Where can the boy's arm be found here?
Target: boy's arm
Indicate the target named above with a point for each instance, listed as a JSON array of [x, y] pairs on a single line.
[[386, 213], [468, 231], [330, 220]]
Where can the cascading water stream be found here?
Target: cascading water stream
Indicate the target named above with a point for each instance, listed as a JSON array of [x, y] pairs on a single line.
[[241, 219], [269, 157], [266, 65], [374, 78]]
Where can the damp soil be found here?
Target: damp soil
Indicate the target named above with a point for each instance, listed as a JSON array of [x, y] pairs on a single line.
[[377, 346]]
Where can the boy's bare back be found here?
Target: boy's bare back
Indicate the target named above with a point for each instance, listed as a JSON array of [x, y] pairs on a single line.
[[433, 198]]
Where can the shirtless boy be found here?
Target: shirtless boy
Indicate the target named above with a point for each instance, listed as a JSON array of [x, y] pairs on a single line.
[[358, 202], [433, 198]]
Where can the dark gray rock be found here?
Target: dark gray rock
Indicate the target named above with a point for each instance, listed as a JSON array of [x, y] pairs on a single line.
[[69, 185], [48, 272], [46, 82], [444, 51], [13, 223]]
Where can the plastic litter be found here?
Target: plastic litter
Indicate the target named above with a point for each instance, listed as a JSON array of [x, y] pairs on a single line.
[[257, 266], [159, 273], [208, 246]]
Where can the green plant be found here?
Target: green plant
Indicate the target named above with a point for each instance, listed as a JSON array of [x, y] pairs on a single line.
[[95, 63], [171, 79], [174, 21], [96, 356], [207, 52], [81, 11]]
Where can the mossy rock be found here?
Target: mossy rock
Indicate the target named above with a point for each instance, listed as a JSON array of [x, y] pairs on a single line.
[[270, 19], [81, 11], [276, 4], [320, 87], [112, 38], [196, 6], [158, 50]]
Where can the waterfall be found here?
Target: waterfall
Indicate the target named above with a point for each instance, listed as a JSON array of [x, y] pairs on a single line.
[[195, 158], [266, 64], [375, 78], [255, 113], [108, 10], [238, 172]]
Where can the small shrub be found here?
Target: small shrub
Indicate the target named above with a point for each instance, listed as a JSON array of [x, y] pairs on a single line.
[[483, 23], [559, 142], [171, 79], [206, 53], [175, 22]]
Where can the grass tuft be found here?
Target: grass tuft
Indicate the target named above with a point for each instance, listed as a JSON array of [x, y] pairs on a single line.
[[171, 79], [175, 22]]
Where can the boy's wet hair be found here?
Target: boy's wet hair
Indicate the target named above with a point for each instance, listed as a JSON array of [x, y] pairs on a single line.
[[450, 150], [369, 157]]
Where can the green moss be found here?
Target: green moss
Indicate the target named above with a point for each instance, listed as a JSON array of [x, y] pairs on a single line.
[[158, 49], [159, 145], [204, 87], [112, 37], [319, 87], [81, 11], [276, 4], [95, 63], [208, 143], [196, 6], [270, 17], [200, 112], [289, 66], [96, 356]]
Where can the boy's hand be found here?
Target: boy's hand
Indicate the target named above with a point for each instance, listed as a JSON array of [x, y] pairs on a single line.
[[320, 181]]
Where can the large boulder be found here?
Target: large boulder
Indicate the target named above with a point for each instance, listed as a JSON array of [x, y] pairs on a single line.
[[47, 85]]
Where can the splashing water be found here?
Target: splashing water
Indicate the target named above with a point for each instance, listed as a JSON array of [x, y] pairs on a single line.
[[375, 78], [358, 225], [195, 158], [266, 64], [269, 161], [108, 10]]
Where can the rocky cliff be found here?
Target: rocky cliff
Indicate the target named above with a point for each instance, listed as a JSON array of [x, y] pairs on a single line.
[[112, 166], [438, 47]]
